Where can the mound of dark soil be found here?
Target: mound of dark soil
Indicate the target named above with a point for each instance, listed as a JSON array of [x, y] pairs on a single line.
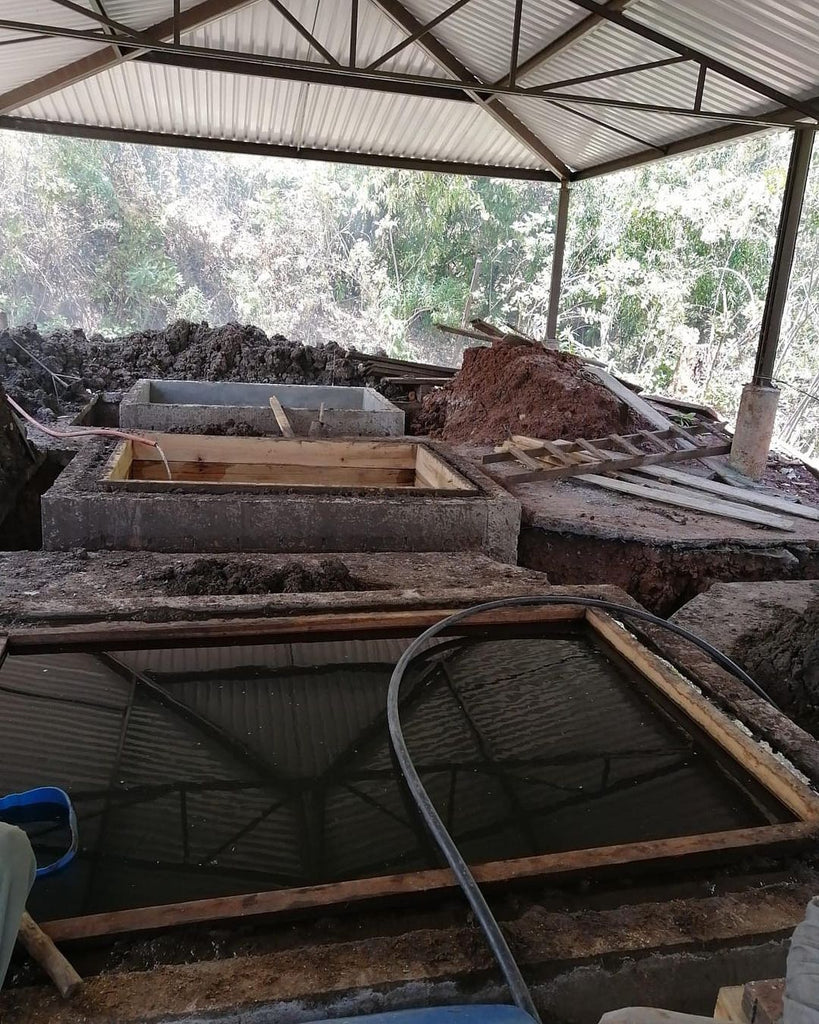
[[519, 388], [214, 576], [784, 660], [183, 351]]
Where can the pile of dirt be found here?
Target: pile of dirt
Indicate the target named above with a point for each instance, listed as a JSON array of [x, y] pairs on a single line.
[[516, 387], [214, 576], [784, 660], [29, 361]]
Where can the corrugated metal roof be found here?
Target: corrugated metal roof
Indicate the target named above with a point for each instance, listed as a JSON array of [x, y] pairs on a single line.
[[773, 40]]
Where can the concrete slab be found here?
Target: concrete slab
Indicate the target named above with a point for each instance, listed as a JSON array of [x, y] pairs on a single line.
[[78, 512], [83, 586], [193, 406], [729, 611], [662, 555]]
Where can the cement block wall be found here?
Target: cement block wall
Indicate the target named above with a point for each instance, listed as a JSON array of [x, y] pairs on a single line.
[[190, 406], [77, 512]]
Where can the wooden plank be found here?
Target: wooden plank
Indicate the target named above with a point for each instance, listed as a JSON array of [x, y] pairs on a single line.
[[742, 494], [633, 401], [463, 332], [655, 438], [677, 496], [535, 445], [119, 465], [661, 852], [281, 417], [429, 467], [282, 629], [615, 464], [728, 1006], [757, 760], [273, 475], [527, 460], [718, 506], [281, 450], [683, 405], [625, 444]]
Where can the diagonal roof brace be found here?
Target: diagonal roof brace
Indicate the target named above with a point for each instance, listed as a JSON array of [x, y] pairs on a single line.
[[805, 107], [110, 56], [447, 60]]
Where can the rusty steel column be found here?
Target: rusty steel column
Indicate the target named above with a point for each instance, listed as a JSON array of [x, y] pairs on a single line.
[[756, 418], [786, 236], [557, 264]]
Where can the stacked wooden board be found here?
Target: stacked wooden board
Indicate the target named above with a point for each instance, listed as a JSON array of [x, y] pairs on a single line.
[[642, 474]]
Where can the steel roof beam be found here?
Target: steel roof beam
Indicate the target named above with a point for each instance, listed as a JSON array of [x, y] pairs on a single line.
[[201, 58], [807, 109], [145, 138], [111, 56], [439, 53], [95, 14], [702, 140], [562, 41], [303, 31], [418, 34]]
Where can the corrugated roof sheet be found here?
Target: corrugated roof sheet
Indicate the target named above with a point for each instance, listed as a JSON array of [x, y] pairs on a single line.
[[773, 40]]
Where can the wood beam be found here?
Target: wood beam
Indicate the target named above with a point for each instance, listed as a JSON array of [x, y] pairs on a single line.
[[447, 60], [111, 56], [680, 853]]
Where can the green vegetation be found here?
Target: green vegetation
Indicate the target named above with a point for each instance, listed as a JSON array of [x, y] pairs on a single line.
[[665, 275]]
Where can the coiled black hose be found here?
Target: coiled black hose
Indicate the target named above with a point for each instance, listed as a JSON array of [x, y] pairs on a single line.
[[491, 929]]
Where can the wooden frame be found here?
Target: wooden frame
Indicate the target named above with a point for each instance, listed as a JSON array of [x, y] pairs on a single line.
[[782, 782], [215, 463]]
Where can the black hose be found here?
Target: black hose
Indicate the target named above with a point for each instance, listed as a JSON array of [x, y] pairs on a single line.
[[491, 929]]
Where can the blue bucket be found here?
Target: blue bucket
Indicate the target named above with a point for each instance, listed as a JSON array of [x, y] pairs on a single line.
[[46, 803]]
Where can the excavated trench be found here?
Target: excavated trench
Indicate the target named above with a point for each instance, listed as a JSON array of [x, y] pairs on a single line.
[[662, 577], [784, 658]]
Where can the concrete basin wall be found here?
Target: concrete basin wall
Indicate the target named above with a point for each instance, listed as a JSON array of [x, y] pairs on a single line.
[[191, 405], [78, 512]]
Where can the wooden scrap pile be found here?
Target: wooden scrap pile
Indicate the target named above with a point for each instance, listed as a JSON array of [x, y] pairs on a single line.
[[615, 463]]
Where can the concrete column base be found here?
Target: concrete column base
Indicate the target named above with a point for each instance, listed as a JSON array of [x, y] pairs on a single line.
[[754, 430]]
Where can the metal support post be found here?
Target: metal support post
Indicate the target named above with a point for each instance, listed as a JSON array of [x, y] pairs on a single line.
[[782, 265], [557, 263]]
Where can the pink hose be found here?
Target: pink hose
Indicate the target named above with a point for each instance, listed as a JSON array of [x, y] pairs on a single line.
[[100, 431]]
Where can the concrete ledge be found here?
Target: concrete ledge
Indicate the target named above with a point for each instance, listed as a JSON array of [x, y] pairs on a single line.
[[192, 405], [79, 513]]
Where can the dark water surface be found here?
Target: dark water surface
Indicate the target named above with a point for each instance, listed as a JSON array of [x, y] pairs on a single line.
[[213, 771]]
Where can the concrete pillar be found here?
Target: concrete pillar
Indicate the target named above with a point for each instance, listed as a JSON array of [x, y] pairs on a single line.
[[754, 430]]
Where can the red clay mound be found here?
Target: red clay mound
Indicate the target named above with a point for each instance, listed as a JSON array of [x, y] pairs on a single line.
[[517, 388]]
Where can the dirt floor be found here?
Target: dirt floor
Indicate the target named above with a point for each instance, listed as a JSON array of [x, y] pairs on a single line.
[[218, 576], [520, 388], [183, 351], [784, 658]]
